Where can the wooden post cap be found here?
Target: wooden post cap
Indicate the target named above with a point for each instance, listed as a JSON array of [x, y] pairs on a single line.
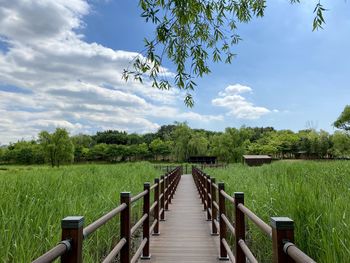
[[282, 223], [125, 194], [71, 222], [239, 195]]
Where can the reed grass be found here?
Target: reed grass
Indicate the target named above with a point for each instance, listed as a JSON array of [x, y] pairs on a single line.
[[316, 195], [34, 199]]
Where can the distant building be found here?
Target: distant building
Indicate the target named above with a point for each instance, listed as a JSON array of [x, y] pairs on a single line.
[[256, 160], [202, 159]]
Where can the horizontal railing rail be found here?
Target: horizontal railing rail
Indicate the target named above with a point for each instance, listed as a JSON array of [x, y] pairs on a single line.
[[69, 249], [280, 230], [213, 165]]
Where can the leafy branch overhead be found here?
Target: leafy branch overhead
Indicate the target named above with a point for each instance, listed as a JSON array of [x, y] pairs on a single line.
[[190, 33]]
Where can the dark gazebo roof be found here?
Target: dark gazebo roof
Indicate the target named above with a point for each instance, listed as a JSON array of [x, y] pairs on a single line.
[[202, 159]]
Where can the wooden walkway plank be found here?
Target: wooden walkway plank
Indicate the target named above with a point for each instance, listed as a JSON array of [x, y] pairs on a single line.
[[185, 235]]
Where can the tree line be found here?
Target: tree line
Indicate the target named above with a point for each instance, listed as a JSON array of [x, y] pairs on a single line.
[[176, 142]]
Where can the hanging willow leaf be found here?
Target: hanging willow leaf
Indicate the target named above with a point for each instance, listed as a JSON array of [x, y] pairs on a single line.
[[190, 33]]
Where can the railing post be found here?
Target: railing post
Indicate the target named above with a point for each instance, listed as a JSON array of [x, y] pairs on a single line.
[[214, 230], [222, 211], [162, 208], [125, 227], [282, 231], [145, 233], [209, 200], [205, 191], [72, 229], [156, 208], [239, 227], [202, 188], [170, 190], [175, 180], [166, 192], [198, 179]]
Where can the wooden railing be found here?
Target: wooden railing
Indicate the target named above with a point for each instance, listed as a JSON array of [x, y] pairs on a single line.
[[185, 167], [281, 229], [213, 165], [73, 233]]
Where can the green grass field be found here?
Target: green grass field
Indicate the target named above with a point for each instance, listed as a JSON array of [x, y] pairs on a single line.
[[34, 199], [316, 195]]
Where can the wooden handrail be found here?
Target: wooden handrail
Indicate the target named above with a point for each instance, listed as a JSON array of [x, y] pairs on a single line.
[[227, 196], [256, 220], [139, 250], [138, 223], [151, 229], [153, 206], [53, 253], [247, 251], [154, 186], [296, 254], [102, 220], [70, 249], [115, 251], [228, 250], [138, 196], [228, 224], [281, 230]]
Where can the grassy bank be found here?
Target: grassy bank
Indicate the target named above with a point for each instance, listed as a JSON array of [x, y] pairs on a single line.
[[34, 199], [316, 195]]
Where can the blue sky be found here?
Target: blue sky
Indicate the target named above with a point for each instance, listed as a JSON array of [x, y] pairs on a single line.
[[61, 64]]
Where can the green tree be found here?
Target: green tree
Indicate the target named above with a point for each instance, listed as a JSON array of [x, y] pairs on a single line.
[[198, 145], [113, 152], [159, 148], [98, 152], [57, 146], [343, 121], [137, 151], [341, 144], [230, 145], [192, 32], [81, 142], [181, 137], [325, 144], [218, 147], [134, 139], [111, 137], [142, 150]]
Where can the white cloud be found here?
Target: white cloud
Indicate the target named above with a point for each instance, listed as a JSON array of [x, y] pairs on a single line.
[[238, 105], [67, 81], [235, 89]]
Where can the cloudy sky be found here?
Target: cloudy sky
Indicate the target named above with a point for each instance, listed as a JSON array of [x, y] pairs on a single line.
[[61, 63]]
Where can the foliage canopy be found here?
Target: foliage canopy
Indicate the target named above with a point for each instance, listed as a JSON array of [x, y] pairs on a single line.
[[190, 33], [57, 146], [343, 121]]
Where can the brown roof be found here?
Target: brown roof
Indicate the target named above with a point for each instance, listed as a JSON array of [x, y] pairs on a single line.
[[256, 157]]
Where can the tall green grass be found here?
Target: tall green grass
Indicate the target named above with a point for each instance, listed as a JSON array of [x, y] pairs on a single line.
[[316, 195], [33, 200]]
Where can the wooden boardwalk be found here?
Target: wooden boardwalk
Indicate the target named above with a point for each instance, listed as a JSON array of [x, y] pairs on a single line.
[[185, 235]]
